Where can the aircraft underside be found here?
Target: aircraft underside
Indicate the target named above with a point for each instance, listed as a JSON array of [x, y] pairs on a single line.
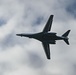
[[47, 38]]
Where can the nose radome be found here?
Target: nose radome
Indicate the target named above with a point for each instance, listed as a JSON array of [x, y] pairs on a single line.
[[18, 34]]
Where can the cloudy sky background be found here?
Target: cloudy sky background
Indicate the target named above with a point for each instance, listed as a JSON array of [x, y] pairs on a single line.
[[23, 56]]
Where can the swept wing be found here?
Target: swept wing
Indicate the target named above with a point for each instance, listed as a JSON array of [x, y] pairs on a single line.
[[48, 24], [46, 49]]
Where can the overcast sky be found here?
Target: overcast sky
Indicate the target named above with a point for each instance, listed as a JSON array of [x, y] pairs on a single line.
[[24, 56]]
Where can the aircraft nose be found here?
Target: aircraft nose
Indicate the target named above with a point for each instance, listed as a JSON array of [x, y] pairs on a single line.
[[18, 34]]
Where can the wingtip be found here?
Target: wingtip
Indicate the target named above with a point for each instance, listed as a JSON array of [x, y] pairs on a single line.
[[51, 15], [48, 58]]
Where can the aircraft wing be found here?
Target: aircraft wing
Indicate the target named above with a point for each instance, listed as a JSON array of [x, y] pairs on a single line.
[[46, 49], [48, 24]]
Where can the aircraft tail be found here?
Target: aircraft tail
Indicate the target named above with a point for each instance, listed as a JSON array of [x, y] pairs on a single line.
[[66, 33], [67, 42], [66, 36]]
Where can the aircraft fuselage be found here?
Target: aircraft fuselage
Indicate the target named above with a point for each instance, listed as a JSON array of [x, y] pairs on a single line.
[[44, 37]]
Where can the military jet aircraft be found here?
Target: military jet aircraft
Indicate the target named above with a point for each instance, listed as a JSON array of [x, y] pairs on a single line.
[[47, 37]]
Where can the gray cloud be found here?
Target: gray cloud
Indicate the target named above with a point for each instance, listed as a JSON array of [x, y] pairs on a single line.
[[24, 56]]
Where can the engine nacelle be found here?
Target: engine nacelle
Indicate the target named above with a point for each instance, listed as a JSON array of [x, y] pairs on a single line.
[[50, 42]]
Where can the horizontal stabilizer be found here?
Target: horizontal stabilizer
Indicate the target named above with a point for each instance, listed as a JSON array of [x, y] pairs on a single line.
[[66, 33], [67, 42]]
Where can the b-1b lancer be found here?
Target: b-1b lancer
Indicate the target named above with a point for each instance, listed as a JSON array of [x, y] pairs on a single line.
[[47, 37]]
